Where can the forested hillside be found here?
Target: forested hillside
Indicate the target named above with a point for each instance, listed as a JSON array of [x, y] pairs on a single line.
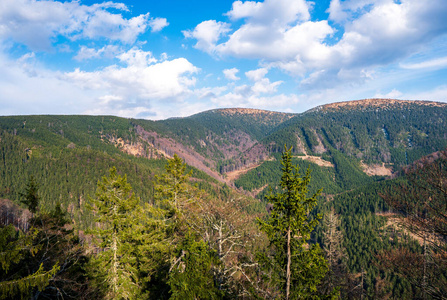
[[363, 159], [377, 130]]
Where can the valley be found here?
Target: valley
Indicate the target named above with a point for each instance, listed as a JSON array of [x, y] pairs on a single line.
[[359, 153]]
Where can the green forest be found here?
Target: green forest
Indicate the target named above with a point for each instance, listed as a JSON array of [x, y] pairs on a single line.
[[82, 217]]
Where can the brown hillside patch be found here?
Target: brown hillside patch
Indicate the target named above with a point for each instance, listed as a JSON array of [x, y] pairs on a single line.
[[255, 192], [377, 102], [395, 222], [252, 111], [317, 160], [376, 169], [233, 175], [135, 149]]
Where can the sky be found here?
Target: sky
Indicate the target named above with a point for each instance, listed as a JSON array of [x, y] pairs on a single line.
[[157, 59]]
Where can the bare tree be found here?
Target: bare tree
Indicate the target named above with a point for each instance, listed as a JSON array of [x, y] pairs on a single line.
[[421, 203]]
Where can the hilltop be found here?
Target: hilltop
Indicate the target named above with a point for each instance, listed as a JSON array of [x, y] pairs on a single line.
[[375, 103]]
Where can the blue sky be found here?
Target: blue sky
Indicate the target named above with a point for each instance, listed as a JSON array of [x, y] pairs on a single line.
[[173, 58]]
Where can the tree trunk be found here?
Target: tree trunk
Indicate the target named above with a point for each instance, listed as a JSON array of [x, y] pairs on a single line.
[[289, 262]]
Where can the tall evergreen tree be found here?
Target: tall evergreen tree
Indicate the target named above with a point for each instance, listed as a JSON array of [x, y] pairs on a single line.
[[294, 266], [172, 188], [191, 272], [115, 266]]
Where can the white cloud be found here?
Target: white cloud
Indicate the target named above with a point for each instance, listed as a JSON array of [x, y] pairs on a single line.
[[437, 94], [280, 102], [158, 24], [85, 53], [25, 89], [231, 74], [137, 57], [256, 75], [207, 34], [140, 88], [37, 23], [394, 94], [271, 11], [264, 86], [336, 12], [437, 63], [141, 81], [374, 33]]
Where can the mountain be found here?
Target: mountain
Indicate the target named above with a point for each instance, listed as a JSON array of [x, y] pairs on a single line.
[[355, 150], [350, 141]]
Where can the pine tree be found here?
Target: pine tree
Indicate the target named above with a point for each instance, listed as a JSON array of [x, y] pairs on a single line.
[[115, 266], [294, 266]]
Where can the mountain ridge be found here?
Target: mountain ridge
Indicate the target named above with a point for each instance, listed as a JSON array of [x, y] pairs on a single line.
[[229, 139], [375, 102]]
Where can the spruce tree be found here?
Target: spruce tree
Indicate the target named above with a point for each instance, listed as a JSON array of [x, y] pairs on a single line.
[[293, 266], [15, 246], [31, 197], [191, 275], [115, 266]]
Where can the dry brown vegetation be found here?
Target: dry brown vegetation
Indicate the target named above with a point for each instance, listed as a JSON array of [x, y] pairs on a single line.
[[378, 102], [376, 169]]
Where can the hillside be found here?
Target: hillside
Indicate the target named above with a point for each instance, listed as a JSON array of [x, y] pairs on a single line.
[[394, 132], [353, 150], [353, 139]]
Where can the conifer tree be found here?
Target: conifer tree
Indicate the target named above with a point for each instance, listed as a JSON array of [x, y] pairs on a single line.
[[115, 267], [14, 248], [191, 271], [293, 266], [191, 274], [31, 197], [171, 188]]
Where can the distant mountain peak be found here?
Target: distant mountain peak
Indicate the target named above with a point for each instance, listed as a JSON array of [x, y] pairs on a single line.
[[247, 111], [374, 103]]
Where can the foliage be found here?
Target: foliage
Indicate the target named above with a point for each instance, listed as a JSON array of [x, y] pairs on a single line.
[[114, 268], [31, 197], [191, 274], [294, 266], [14, 247]]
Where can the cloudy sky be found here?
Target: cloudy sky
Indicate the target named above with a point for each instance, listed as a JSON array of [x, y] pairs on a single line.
[[171, 58]]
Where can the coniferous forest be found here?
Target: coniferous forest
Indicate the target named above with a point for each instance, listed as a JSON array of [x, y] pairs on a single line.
[[344, 202]]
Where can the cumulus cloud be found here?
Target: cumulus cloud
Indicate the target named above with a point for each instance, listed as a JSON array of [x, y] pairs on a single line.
[[256, 75], [37, 23], [141, 81], [231, 74], [138, 87], [207, 34], [86, 53], [137, 57], [271, 11], [158, 24], [372, 33]]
